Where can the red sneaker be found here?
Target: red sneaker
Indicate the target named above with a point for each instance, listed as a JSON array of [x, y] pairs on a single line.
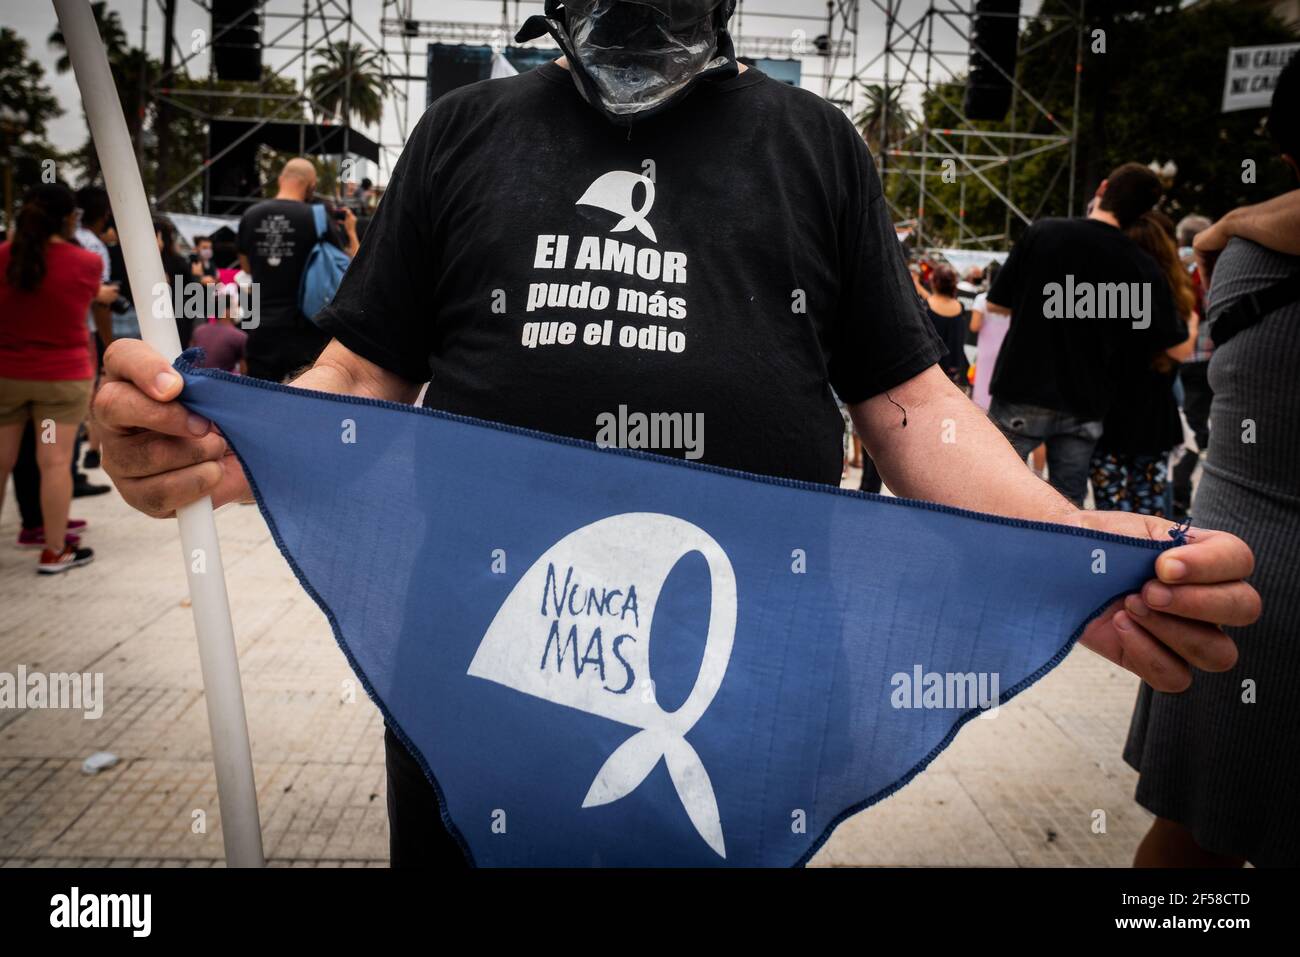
[[52, 564], [35, 537]]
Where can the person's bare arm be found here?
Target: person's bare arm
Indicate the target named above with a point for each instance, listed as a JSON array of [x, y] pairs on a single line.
[[340, 370], [1274, 224], [103, 316], [244, 265], [976, 320], [161, 456], [350, 229], [950, 452], [1183, 351], [920, 289], [993, 307]]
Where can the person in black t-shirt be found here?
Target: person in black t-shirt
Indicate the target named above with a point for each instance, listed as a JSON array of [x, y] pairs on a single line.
[[1083, 298], [275, 237], [552, 246]]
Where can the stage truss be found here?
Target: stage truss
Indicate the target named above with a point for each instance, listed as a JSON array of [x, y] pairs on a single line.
[[921, 51], [296, 27], [922, 54]]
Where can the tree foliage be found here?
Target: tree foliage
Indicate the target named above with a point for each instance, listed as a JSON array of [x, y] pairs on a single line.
[[24, 92], [352, 73], [1152, 87]]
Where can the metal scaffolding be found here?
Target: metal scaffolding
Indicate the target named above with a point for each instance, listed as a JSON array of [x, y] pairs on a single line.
[[914, 58], [399, 29], [919, 56], [290, 26]]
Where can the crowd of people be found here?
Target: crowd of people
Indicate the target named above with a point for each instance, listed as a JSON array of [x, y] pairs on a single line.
[[65, 296], [1121, 406], [1141, 454], [1080, 340]]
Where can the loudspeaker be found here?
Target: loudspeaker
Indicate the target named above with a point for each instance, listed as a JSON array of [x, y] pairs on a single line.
[[233, 183], [995, 27], [237, 40], [452, 65]]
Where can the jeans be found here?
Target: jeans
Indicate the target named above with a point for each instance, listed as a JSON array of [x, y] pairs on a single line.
[[1070, 441]]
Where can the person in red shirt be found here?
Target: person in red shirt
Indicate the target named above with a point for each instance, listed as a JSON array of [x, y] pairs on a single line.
[[46, 368]]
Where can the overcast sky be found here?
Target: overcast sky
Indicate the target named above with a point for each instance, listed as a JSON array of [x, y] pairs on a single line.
[[34, 19]]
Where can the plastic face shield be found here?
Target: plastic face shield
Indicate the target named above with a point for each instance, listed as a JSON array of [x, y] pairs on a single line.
[[641, 53]]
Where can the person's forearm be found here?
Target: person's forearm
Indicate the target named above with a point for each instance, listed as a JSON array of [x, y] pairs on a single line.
[[1183, 351], [342, 371], [353, 244], [1274, 224], [103, 322], [949, 452]]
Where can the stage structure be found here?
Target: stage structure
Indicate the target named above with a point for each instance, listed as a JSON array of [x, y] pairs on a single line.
[[980, 40], [931, 45], [924, 50], [239, 34], [459, 52]]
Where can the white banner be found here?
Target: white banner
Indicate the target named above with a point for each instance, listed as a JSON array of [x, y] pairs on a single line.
[[963, 259], [1252, 73]]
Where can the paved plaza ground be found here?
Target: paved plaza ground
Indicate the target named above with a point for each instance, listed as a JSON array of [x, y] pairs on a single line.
[[1021, 789]]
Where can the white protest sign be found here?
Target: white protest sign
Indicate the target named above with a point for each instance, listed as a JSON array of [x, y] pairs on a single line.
[[1252, 73]]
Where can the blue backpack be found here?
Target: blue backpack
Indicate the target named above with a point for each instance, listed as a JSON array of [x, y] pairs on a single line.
[[326, 264]]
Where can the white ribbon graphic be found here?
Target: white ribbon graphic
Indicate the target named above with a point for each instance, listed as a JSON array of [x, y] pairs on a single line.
[[575, 630], [613, 192]]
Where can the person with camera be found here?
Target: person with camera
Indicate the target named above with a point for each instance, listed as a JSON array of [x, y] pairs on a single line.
[[275, 238]]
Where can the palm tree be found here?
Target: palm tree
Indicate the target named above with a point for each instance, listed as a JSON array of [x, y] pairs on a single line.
[[329, 84], [127, 65], [110, 31], [884, 121]]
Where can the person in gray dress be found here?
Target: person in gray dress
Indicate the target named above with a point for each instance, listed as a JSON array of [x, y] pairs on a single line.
[[1220, 763]]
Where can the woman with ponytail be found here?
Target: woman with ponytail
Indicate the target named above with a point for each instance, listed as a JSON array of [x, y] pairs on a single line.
[[46, 365]]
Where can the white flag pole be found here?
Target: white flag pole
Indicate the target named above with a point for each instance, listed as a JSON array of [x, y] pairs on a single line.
[[218, 660]]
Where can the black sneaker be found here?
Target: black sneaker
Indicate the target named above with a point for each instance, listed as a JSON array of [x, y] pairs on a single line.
[[52, 564], [85, 488]]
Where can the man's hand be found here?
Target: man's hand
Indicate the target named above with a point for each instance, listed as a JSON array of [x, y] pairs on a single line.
[[1173, 624], [1161, 634], [161, 456], [158, 454]]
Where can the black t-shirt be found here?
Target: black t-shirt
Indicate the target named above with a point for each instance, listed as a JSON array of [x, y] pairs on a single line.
[[1070, 286], [277, 235], [1143, 420], [732, 258]]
